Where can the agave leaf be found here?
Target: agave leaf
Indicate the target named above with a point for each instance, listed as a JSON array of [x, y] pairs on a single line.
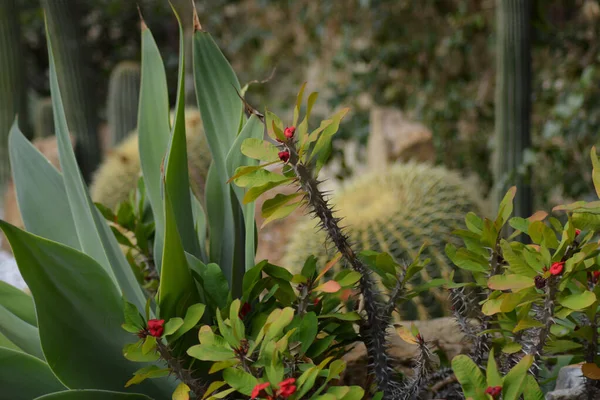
[[79, 311], [93, 395], [153, 131], [177, 289], [17, 302], [177, 180], [19, 332], [24, 377], [40, 192], [95, 237], [217, 89]]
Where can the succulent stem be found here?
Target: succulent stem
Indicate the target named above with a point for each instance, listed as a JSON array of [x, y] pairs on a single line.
[[183, 374]]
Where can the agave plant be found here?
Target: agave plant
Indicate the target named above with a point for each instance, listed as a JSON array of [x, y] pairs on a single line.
[[66, 341]]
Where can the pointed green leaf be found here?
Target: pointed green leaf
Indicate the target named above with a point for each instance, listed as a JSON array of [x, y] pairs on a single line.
[[91, 394], [469, 375], [260, 149], [17, 302], [514, 381], [19, 332]]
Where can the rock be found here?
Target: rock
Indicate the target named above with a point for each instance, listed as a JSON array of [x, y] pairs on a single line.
[[394, 138], [571, 385], [442, 333]]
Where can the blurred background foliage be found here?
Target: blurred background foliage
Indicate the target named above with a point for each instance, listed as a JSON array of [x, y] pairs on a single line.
[[433, 59]]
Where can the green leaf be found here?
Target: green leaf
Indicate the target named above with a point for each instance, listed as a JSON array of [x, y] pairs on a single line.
[[19, 332], [240, 380], [260, 149], [514, 381], [470, 261], [251, 278], [469, 375], [135, 352], [281, 212], [91, 394], [493, 377], [298, 105], [149, 345], [192, 316], [277, 321], [41, 194], [255, 192], [578, 301], [274, 126], [70, 286], [512, 347], [258, 178], [510, 282], [210, 352], [172, 325], [505, 208], [24, 377], [532, 390], [321, 151], [177, 290], [270, 206], [182, 392], [561, 346], [149, 372], [132, 315], [595, 170], [95, 237], [17, 302], [307, 331], [177, 180], [237, 326], [277, 272], [227, 331], [153, 131], [348, 316]]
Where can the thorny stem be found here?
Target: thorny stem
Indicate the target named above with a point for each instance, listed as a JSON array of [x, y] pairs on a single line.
[[422, 370], [183, 374], [376, 324]]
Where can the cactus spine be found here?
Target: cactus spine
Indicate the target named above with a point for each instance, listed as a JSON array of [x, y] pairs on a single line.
[[75, 83], [396, 211], [513, 102], [44, 118], [123, 99], [13, 96]]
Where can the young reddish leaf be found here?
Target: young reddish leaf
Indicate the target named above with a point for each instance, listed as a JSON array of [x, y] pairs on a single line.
[[328, 287], [591, 370], [328, 266]]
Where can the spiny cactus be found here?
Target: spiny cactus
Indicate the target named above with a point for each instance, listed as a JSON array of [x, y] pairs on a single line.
[[44, 119], [76, 86], [118, 175], [396, 212], [123, 99], [13, 98]]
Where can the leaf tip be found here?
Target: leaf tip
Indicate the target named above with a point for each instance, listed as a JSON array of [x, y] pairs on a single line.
[[197, 26], [143, 25]]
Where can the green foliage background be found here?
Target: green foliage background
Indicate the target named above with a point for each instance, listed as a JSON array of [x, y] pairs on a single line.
[[432, 58]]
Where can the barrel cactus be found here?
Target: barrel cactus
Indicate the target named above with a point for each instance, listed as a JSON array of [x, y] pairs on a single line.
[[396, 212], [118, 175]]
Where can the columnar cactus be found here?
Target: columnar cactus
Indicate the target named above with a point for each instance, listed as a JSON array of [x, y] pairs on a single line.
[[397, 211], [75, 84], [123, 99], [513, 101], [13, 98], [118, 175], [44, 119]]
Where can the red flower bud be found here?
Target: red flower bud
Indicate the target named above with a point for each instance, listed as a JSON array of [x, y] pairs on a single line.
[[577, 232], [494, 391], [156, 327], [244, 310], [259, 390], [557, 268], [289, 132], [284, 156], [316, 301], [287, 388]]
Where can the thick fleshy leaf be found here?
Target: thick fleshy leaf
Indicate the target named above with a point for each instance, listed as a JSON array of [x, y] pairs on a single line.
[[259, 149], [17, 302], [24, 377], [240, 380], [19, 332], [40, 191], [514, 381], [93, 395], [510, 282], [469, 376], [79, 313], [95, 237], [578, 301], [153, 130], [177, 182], [177, 290]]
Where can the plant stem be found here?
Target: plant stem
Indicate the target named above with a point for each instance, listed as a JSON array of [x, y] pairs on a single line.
[[375, 327], [183, 374]]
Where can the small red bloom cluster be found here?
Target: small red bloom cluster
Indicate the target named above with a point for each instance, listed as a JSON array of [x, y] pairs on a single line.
[[557, 268], [244, 310], [156, 327], [289, 132], [494, 391], [286, 388], [284, 156]]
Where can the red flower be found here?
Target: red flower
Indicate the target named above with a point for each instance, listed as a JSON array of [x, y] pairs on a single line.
[[494, 391], [244, 310], [156, 327], [596, 276], [577, 232], [289, 132], [258, 390], [284, 156], [287, 388], [557, 268]]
